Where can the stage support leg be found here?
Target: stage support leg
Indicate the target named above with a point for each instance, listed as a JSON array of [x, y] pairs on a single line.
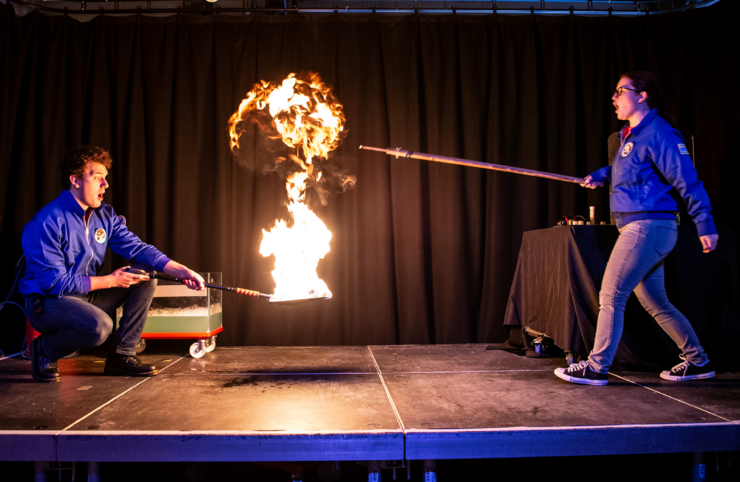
[[430, 471], [39, 471], [196, 472], [373, 471], [699, 469], [330, 471], [93, 472]]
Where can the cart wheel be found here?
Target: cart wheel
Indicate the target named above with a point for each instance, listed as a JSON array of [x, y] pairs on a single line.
[[198, 349], [211, 344], [141, 346]]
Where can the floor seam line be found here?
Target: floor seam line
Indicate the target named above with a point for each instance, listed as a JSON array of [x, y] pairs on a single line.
[[447, 372], [388, 394], [672, 398], [112, 400]]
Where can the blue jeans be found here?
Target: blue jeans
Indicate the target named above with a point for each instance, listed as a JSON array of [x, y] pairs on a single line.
[[636, 264], [74, 322]]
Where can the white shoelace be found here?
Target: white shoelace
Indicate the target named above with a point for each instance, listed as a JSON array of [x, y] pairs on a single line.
[[575, 367], [681, 367]]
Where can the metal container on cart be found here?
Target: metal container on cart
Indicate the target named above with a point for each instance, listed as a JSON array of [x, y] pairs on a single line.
[[179, 313]]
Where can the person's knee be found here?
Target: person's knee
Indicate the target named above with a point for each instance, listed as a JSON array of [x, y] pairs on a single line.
[[101, 330], [657, 308], [145, 289], [616, 300], [149, 285]]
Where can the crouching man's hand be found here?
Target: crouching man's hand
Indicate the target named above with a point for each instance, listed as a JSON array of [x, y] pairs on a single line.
[[193, 280]]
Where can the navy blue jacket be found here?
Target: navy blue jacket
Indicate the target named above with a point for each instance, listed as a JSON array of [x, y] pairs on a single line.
[[62, 253], [650, 171]]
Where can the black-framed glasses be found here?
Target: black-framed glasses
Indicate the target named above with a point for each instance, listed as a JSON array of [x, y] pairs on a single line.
[[619, 90]]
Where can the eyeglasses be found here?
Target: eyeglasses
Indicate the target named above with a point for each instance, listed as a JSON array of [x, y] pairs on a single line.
[[620, 90]]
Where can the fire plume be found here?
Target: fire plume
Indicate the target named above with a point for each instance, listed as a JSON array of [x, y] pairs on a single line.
[[302, 112]]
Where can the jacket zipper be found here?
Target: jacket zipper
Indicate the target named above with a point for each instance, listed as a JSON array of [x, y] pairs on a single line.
[[92, 254]]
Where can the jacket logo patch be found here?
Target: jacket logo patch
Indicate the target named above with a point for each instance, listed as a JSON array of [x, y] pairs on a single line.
[[100, 236], [627, 149], [682, 149]]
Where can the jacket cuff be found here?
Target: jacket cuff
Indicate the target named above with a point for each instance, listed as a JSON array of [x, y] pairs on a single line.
[[159, 266], [706, 227], [85, 284], [599, 176]]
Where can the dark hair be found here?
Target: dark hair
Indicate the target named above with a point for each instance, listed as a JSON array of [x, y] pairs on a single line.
[[76, 158], [650, 83]]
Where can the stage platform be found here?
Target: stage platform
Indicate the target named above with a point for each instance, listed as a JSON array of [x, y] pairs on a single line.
[[359, 403]]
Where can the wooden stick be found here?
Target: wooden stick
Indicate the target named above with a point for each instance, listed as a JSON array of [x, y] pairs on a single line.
[[398, 152]]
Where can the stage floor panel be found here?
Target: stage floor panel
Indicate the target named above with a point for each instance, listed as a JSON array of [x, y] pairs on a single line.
[[269, 403], [719, 395], [27, 405], [529, 399], [455, 358], [354, 403], [281, 360]]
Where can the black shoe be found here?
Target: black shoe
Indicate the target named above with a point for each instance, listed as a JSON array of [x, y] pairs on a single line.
[[127, 366], [43, 369], [688, 371], [582, 374]]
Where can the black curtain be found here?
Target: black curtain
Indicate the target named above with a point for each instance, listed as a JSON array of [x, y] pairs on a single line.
[[421, 252]]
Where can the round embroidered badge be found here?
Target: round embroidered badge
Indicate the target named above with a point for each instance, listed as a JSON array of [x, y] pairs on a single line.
[[627, 149], [100, 236]]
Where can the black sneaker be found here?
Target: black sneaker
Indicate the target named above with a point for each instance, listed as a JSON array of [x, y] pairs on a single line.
[[582, 373], [127, 366], [43, 369], [688, 371]]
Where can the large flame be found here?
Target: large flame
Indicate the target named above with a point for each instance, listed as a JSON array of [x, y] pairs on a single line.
[[305, 116]]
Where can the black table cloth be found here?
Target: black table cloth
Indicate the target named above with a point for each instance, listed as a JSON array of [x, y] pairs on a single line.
[[556, 291]]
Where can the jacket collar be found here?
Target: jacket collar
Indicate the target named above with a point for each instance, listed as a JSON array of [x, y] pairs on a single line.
[[69, 203], [648, 119]]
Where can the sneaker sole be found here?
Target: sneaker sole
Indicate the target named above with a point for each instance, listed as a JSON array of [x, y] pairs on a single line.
[[580, 381], [674, 378], [118, 372]]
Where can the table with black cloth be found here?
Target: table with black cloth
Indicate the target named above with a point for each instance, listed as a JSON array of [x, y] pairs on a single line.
[[556, 292]]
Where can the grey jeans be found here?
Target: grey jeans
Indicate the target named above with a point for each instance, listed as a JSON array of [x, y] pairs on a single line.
[[73, 322], [636, 264]]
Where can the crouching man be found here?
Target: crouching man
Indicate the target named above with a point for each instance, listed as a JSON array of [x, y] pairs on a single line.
[[66, 301]]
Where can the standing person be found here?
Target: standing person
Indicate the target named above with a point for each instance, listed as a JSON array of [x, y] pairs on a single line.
[[651, 167], [66, 300]]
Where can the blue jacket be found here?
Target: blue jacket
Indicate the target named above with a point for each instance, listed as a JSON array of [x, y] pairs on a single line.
[[652, 169], [62, 253]]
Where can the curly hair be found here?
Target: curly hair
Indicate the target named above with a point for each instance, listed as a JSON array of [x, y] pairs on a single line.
[[76, 158]]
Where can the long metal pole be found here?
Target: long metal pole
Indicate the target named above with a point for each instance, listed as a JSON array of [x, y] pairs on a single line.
[[398, 152]]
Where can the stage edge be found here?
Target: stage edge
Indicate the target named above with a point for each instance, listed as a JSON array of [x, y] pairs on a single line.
[[228, 446], [27, 446], [571, 441]]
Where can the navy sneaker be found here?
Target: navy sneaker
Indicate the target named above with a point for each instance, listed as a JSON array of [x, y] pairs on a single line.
[[581, 373], [688, 371]]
